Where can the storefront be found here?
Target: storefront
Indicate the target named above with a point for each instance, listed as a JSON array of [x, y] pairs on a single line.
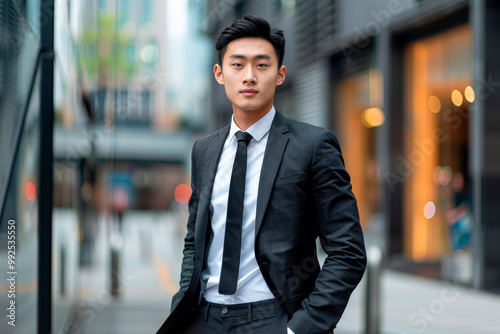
[[359, 100], [403, 106], [437, 203]]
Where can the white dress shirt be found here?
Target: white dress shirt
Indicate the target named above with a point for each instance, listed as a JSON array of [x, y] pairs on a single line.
[[251, 285]]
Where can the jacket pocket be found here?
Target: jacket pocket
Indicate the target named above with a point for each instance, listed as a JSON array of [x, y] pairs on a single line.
[[301, 296], [289, 179]]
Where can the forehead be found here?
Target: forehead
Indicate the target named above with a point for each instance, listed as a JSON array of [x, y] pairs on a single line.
[[250, 47]]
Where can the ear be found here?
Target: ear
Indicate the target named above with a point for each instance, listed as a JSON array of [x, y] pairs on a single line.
[[218, 74], [281, 75]]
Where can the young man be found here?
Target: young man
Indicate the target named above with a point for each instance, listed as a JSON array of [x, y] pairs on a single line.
[[264, 188]]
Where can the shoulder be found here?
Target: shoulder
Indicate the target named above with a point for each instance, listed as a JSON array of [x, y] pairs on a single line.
[[202, 144], [306, 133]]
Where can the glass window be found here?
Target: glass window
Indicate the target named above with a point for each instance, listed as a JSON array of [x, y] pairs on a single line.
[[17, 64], [438, 96], [359, 99], [30, 9], [19, 228]]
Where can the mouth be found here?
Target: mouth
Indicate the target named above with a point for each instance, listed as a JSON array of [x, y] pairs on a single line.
[[248, 92]]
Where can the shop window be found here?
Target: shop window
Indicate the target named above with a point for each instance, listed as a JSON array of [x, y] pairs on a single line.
[[359, 102], [434, 166]]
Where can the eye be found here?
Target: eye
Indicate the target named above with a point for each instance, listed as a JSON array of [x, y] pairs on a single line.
[[262, 65], [237, 65]]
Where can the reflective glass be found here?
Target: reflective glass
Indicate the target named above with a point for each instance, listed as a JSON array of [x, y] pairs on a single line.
[[33, 14], [19, 230], [358, 94], [435, 168], [18, 56]]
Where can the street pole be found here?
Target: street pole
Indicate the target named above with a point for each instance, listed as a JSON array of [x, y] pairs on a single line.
[[372, 295]]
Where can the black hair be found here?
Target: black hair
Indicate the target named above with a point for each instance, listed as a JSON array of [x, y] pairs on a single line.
[[251, 26]]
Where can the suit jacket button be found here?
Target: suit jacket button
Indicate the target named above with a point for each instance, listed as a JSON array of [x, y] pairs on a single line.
[[224, 310]]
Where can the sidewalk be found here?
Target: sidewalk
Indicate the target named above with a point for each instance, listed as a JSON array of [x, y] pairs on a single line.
[[143, 303], [412, 304], [150, 268]]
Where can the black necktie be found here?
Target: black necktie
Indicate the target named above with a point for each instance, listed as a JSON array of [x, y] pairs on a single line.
[[234, 219]]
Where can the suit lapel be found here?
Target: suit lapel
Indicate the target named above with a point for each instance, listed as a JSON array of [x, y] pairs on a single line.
[[209, 169], [278, 138]]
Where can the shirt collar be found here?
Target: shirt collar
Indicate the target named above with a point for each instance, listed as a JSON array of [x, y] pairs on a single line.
[[258, 129]]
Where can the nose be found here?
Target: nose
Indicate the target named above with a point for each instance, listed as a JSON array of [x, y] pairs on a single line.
[[249, 76]]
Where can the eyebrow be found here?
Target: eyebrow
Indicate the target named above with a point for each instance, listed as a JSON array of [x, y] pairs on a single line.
[[261, 56]]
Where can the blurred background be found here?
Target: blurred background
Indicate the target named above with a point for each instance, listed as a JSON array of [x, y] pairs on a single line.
[[101, 101]]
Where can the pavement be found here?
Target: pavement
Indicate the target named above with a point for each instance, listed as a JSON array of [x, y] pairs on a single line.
[[151, 253]]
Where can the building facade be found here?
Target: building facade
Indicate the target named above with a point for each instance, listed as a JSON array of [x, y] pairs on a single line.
[[410, 88], [91, 125]]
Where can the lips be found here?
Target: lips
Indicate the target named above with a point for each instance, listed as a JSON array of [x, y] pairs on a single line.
[[248, 92]]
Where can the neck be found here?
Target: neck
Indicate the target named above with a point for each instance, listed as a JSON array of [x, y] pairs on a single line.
[[246, 118]]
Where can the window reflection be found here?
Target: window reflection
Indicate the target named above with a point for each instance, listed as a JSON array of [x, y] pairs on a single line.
[[17, 65], [438, 98], [21, 206], [359, 99]]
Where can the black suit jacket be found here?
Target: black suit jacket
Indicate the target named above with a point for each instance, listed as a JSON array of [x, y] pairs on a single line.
[[304, 192]]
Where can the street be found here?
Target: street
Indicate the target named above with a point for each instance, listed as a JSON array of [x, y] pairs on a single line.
[[150, 266]]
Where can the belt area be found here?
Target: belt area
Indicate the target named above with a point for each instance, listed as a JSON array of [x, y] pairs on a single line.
[[268, 307]]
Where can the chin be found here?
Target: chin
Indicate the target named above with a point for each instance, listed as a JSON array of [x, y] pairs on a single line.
[[248, 107]]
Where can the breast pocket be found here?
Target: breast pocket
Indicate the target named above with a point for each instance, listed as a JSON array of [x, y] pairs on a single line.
[[289, 179]]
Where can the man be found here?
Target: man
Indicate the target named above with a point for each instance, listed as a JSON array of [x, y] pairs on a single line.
[[264, 188]]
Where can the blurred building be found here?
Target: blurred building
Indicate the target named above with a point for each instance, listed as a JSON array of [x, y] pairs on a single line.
[[93, 122], [411, 90], [100, 101], [25, 149]]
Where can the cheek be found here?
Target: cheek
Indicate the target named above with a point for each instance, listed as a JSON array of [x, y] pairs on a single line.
[[230, 83], [231, 90]]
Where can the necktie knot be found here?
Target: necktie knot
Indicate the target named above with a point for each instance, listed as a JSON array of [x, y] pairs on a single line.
[[243, 136]]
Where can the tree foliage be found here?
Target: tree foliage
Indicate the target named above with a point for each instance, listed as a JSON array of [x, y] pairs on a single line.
[[106, 52]]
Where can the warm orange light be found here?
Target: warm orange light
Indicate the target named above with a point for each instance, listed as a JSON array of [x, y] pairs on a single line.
[[434, 104], [372, 117], [457, 98], [469, 94], [182, 193], [30, 191]]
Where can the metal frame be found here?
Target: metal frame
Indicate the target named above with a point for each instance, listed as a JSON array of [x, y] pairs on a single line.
[[477, 142], [46, 63]]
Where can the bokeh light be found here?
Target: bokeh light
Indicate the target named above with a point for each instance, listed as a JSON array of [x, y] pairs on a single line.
[[30, 191], [372, 117], [434, 104], [457, 98], [429, 210], [445, 175], [149, 53], [469, 94], [182, 193]]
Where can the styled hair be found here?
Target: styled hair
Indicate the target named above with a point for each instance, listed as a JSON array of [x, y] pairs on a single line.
[[251, 26]]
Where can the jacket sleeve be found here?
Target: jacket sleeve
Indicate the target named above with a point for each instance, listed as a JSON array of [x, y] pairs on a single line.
[[188, 252], [337, 219]]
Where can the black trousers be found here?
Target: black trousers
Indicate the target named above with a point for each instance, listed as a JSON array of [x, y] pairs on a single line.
[[259, 317]]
